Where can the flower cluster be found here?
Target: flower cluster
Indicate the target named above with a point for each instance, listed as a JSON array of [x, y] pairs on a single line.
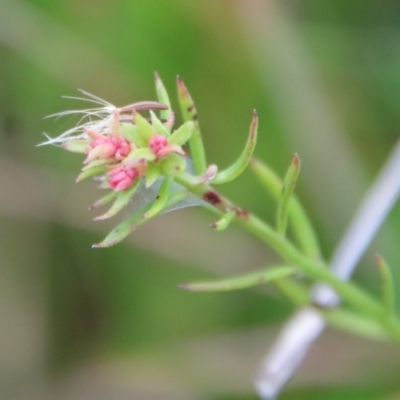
[[133, 146], [122, 146]]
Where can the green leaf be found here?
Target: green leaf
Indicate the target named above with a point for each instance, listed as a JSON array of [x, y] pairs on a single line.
[[189, 113], [339, 317], [173, 165], [90, 172], [131, 133], [144, 127], [301, 224], [388, 292], [97, 163], [122, 199], [152, 174], [224, 222], [75, 146], [182, 134], [163, 97], [104, 200], [161, 200], [126, 227], [289, 184], [122, 230], [355, 323], [242, 162], [241, 282], [158, 125], [141, 154]]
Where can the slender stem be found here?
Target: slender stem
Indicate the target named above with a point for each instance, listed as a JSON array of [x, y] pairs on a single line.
[[354, 296]]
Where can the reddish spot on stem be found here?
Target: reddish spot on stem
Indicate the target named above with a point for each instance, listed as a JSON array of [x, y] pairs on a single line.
[[212, 198], [240, 213]]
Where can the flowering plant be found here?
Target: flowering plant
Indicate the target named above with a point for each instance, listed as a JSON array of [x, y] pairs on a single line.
[[125, 150]]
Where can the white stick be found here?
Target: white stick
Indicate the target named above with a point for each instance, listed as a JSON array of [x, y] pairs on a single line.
[[307, 324]]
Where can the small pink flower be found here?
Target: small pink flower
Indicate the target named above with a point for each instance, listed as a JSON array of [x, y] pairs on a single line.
[[123, 149], [122, 177], [160, 147], [106, 147], [157, 143]]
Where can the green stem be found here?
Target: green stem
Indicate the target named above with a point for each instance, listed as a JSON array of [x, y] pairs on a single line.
[[357, 298]]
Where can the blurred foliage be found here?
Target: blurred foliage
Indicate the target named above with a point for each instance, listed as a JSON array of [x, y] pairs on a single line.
[[68, 307]]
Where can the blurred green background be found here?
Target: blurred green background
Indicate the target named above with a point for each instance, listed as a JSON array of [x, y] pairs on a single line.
[[77, 323]]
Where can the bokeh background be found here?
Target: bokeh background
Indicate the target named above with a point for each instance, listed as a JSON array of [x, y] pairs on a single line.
[[77, 323]]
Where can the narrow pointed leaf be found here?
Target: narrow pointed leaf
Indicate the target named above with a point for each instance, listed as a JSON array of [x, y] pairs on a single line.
[[387, 284], [104, 200], [152, 174], [116, 126], [163, 97], [76, 146], [242, 162], [90, 172], [224, 222], [241, 282], [161, 200], [141, 154], [189, 113], [301, 224], [97, 163], [131, 132], [144, 127], [122, 230], [339, 318], [356, 324], [126, 227], [289, 184], [159, 127], [182, 134], [120, 202]]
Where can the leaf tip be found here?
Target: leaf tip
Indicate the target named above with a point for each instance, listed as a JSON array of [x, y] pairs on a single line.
[[101, 217], [296, 160], [182, 90], [254, 125]]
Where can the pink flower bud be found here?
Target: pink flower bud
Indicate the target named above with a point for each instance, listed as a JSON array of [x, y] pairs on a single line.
[[122, 177], [157, 143], [160, 147], [108, 147], [123, 149], [172, 148]]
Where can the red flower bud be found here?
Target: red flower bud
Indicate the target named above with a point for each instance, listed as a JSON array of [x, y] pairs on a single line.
[[122, 177], [157, 143]]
